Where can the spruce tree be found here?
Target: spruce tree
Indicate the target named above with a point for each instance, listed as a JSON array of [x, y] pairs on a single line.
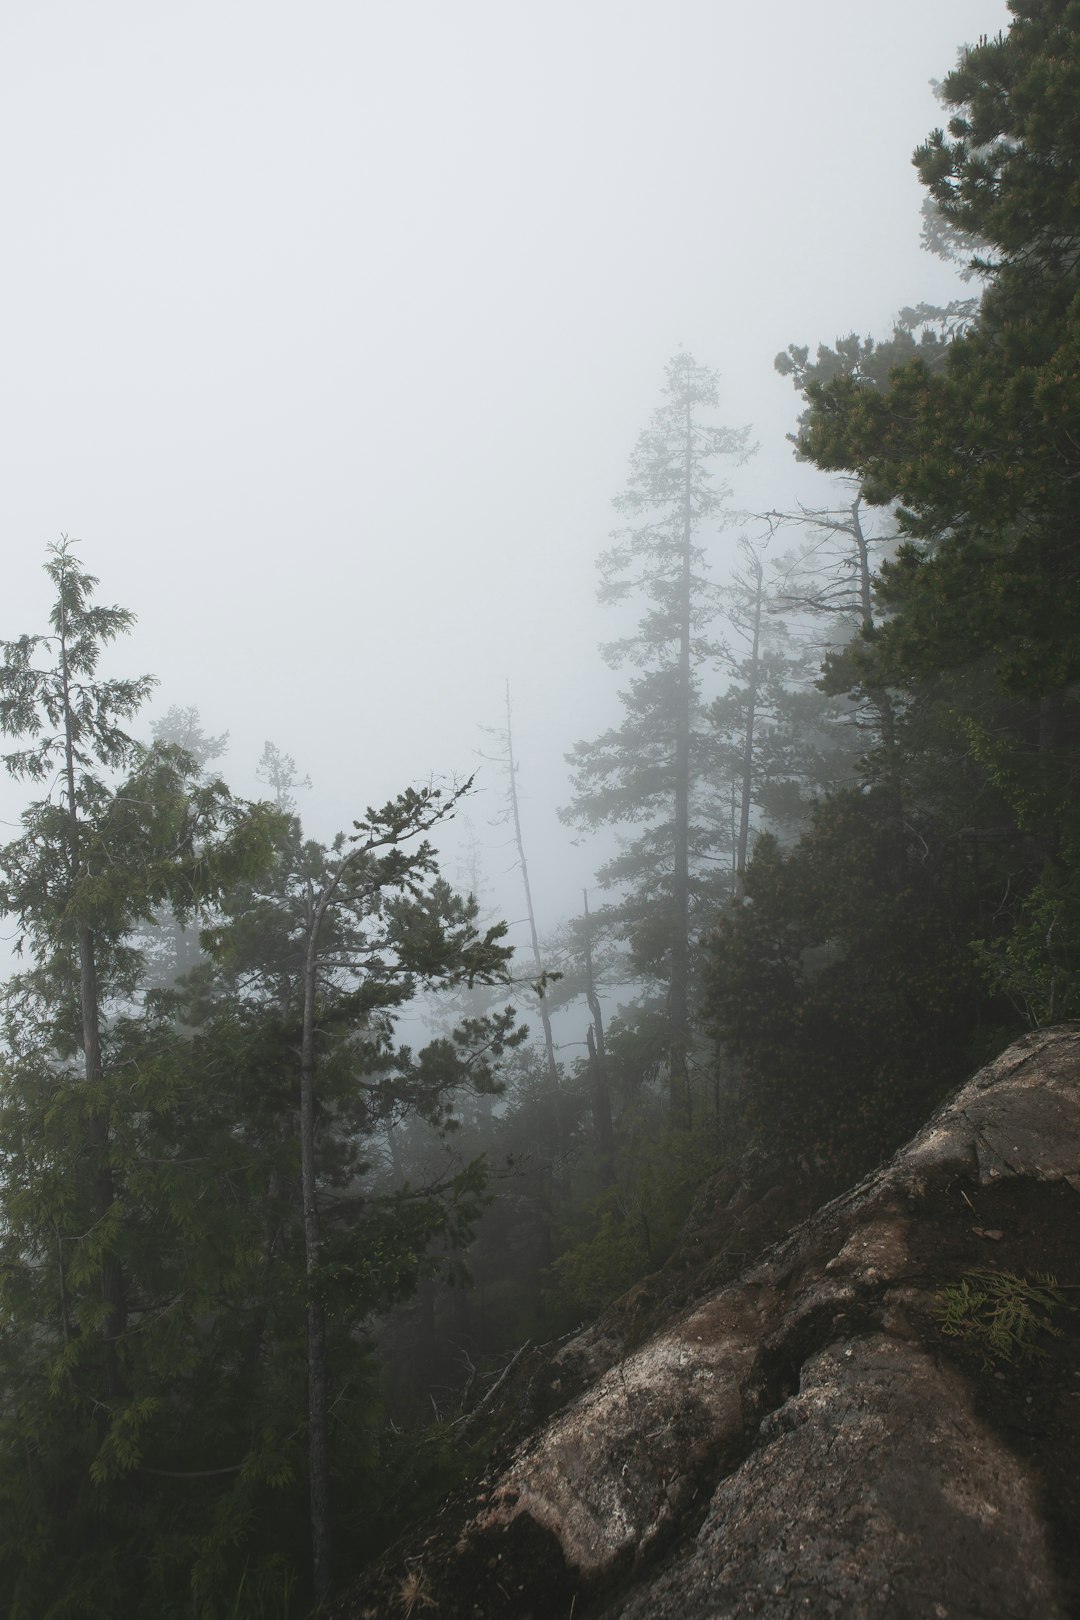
[[647, 773]]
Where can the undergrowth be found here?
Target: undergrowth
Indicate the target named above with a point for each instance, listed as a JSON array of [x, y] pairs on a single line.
[[1002, 1314]]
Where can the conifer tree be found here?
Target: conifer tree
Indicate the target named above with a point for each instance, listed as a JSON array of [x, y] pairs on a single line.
[[99, 857], [646, 773], [124, 831], [322, 953], [931, 909], [979, 453]]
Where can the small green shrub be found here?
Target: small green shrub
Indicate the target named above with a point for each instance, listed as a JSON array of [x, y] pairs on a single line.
[[626, 1231], [1002, 1314]]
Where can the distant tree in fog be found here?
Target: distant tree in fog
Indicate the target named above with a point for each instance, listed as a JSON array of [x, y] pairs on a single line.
[[647, 773]]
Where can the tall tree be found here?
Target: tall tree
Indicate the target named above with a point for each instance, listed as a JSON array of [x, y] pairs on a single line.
[[101, 857], [949, 910], [182, 726], [645, 772], [328, 950], [125, 831], [599, 1088], [979, 452], [279, 771], [769, 728]]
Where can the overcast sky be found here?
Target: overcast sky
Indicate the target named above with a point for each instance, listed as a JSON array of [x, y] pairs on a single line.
[[329, 329]]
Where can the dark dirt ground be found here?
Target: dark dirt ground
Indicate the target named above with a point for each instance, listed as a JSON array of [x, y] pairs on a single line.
[[1032, 1402]]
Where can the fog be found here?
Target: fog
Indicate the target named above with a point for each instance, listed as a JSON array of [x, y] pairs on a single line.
[[329, 331]]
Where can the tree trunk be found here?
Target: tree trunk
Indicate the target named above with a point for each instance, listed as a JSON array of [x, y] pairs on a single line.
[[679, 999], [318, 1436], [112, 1283], [599, 1091], [511, 768], [880, 698], [748, 737]]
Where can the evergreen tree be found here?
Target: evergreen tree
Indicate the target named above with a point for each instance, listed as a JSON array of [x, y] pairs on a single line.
[[940, 903], [279, 771], [100, 858], [648, 772], [322, 956], [828, 583], [183, 727], [775, 736], [85, 1332], [979, 451], [169, 946]]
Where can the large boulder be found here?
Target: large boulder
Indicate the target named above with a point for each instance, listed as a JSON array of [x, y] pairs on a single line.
[[807, 1439]]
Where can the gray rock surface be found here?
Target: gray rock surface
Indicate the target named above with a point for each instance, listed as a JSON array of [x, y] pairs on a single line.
[[803, 1441], [855, 1486]]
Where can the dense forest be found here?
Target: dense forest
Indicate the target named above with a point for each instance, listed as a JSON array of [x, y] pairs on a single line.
[[263, 1261]]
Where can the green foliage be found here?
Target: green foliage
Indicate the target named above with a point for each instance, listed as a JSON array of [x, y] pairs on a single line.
[[1037, 963], [625, 1231], [60, 702], [841, 986], [1001, 1314], [653, 774], [1007, 176], [926, 917], [178, 1474], [157, 1278], [154, 1286]]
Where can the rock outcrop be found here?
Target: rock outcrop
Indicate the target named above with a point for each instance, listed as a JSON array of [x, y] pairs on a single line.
[[805, 1440]]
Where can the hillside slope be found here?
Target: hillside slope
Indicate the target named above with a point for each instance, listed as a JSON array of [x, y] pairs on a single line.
[[807, 1439]]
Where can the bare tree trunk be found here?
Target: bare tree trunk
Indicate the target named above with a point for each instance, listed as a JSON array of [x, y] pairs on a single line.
[[751, 713], [858, 607], [511, 770], [600, 1092], [318, 1377], [880, 697], [113, 1284]]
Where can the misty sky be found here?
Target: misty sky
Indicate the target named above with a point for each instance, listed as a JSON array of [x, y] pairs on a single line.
[[329, 329]]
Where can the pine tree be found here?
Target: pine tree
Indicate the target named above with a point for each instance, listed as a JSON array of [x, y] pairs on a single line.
[[322, 955], [647, 773], [90, 1329], [98, 859], [279, 771], [929, 911], [169, 947], [979, 452]]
